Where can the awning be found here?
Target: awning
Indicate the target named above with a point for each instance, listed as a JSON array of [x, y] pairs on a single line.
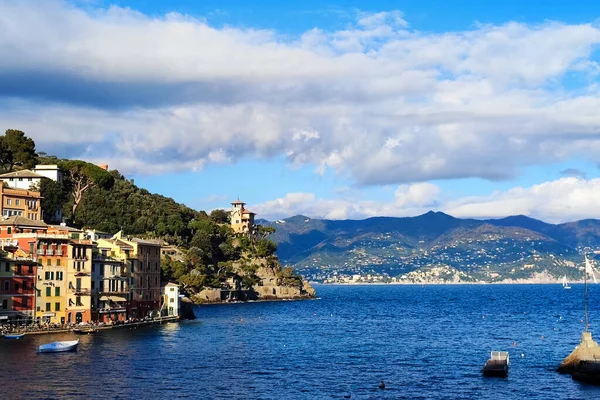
[[48, 314], [116, 299], [112, 310]]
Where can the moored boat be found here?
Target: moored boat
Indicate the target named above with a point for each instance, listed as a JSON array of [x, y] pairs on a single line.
[[58, 347], [15, 336], [84, 331], [497, 365]]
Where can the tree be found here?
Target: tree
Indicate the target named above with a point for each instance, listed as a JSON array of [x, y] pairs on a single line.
[[17, 150], [83, 176], [220, 216], [54, 196]]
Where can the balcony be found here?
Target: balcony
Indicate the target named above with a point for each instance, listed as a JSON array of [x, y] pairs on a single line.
[[82, 273], [80, 257], [80, 291], [59, 252], [49, 252]]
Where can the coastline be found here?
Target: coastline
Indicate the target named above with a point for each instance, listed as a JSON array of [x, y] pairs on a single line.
[[519, 282]]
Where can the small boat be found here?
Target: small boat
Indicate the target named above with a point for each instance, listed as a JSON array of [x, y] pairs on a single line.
[[565, 283], [19, 336], [84, 331], [58, 347], [497, 365]]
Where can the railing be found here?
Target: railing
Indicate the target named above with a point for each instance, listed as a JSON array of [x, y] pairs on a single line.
[[49, 252], [80, 257], [80, 291], [59, 252]]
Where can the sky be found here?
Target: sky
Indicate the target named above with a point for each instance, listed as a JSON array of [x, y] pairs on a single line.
[[330, 109]]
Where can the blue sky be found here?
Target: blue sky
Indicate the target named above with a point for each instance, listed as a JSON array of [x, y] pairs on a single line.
[[330, 109]]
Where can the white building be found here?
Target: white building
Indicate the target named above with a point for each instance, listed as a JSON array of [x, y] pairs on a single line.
[[25, 179], [171, 300], [49, 171], [94, 235]]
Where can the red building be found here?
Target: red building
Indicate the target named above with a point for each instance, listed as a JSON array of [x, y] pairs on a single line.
[[17, 288]]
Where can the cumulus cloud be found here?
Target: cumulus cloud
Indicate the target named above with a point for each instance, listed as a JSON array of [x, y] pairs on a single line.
[[377, 101], [562, 200]]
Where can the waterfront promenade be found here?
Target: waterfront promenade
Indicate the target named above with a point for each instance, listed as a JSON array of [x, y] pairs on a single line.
[[36, 329]]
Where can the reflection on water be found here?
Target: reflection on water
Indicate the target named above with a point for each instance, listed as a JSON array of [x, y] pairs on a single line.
[[423, 342]]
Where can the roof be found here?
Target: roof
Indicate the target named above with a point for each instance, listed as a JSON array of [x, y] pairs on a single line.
[[26, 173], [16, 220], [238, 201], [145, 242], [248, 212], [65, 228], [163, 284]]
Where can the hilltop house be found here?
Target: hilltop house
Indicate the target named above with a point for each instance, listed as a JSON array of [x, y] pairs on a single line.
[[242, 220]]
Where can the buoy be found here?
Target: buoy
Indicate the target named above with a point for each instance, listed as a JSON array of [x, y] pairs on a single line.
[[483, 316], [514, 343], [522, 355], [381, 385]]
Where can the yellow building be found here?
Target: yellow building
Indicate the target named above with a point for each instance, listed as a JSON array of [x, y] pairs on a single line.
[[20, 202], [242, 220]]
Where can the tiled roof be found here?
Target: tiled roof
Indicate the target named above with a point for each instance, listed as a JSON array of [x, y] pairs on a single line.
[[16, 220], [26, 173]]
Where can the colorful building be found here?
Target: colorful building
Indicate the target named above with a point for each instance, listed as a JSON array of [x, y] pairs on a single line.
[[242, 220], [110, 284], [17, 286], [79, 278], [170, 299], [22, 203], [141, 259]]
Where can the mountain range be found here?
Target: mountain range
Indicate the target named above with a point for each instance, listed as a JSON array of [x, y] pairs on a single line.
[[436, 247]]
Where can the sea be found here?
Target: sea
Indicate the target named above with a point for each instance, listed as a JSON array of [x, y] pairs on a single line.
[[423, 342]]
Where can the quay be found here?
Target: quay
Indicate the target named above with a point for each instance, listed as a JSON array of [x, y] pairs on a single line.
[[131, 325]]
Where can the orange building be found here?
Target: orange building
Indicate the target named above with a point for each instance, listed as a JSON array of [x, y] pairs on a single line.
[[22, 203]]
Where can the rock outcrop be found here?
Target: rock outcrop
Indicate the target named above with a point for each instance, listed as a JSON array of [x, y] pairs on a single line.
[[588, 350]]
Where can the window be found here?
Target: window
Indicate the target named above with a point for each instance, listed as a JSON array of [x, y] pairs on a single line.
[[6, 286], [101, 286], [48, 262], [8, 202], [47, 306], [5, 304], [38, 308], [7, 267], [57, 306], [171, 300], [52, 275], [8, 230], [17, 287], [30, 269], [93, 285], [47, 275], [58, 262], [48, 291], [172, 289], [19, 270], [17, 202], [26, 302], [57, 291], [38, 293], [59, 275]]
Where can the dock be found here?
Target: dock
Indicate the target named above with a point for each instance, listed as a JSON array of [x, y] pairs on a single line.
[[130, 325], [497, 365]]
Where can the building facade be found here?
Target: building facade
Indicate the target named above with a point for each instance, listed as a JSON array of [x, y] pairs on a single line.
[[24, 180], [22, 203], [79, 278], [110, 286], [242, 220], [170, 300], [17, 289]]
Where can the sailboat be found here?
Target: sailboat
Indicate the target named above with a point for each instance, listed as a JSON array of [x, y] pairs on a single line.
[[565, 283]]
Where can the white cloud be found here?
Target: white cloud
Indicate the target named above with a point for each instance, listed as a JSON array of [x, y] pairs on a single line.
[[561, 200], [376, 101]]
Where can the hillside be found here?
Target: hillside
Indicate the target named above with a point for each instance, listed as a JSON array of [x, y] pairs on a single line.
[[515, 248]]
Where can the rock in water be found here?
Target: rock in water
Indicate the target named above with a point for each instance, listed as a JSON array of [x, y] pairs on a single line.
[[381, 385], [588, 350]]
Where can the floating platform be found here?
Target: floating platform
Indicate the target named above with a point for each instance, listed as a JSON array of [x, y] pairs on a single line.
[[497, 365]]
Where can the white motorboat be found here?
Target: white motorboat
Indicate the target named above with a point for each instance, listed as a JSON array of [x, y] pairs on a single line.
[[58, 347]]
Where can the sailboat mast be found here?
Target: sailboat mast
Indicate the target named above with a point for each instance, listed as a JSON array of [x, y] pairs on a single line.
[[585, 293]]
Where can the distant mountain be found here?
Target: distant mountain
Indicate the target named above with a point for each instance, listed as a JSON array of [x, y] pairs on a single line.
[[515, 248]]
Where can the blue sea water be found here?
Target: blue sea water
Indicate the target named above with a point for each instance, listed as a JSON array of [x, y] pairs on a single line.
[[425, 342]]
